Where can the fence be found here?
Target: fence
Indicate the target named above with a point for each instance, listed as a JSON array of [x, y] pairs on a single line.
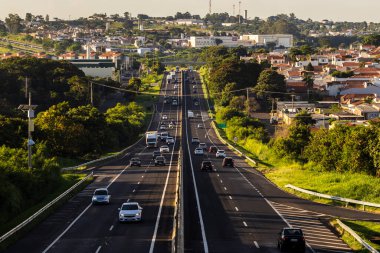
[[42, 210], [357, 237], [325, 196]]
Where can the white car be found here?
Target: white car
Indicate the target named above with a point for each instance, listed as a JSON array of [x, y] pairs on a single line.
[[164, 149], [220, 153], [202, 145], [101, 196], [175, 86], [194, 140], [164, 117], [130, 211], [169, 140], [200, 126], [171, 125], [198, 151]]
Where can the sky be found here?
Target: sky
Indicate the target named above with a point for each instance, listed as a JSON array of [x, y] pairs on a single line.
[[336, 10]]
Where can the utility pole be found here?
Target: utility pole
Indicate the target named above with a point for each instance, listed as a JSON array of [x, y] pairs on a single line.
[[233, 10], [29, 108], [239, 12], [209, 7], [248, 107], [91, 94]]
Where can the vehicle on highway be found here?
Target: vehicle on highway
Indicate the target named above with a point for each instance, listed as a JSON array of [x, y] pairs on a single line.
[[206, 165], [174, 102], [171, 125], [155, 154], [194, 86], [220, 153], [198, 151], [163, 126], [196, 103], [164, 117], [203, 146], [169, 140], [194, 91], [159, 160], [164, 135], [151, 138], [194, 140], [212, 149], [175, 86], [164, 149], [135, 161], [200, 126], [101, 196], [291, 239], [228, 161], [190, 114], [130, 211]]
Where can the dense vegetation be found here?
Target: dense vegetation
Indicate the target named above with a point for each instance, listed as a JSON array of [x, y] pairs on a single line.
[[342, 149], [66, 126]]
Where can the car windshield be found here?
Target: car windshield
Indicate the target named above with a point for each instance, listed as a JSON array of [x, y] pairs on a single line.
[[101, 192], [293, 232], [135, 159], [130, 207], [220, 151], [207, 163], [160, 158]]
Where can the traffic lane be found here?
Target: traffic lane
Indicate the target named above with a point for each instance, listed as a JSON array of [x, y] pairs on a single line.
[[273, 193], [137, 236], [50, 228], [221, 232], [98, 218]]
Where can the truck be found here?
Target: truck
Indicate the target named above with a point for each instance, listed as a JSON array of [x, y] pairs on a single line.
[[151, 139], [190, 114]]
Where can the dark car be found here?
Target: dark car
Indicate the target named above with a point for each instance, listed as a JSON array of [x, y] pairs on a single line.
[[206, 165], [156, 153], [228, 161], [135, 161], [291, 239], [212, 149], [159, 160]]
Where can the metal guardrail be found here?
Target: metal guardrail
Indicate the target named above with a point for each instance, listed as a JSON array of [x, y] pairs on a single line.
[[357, 237], [325, 196], [42, 210], [178, 237], [229, 145], [120, 153]]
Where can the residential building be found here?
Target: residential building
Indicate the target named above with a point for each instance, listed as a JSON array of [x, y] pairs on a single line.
[[285, 40]]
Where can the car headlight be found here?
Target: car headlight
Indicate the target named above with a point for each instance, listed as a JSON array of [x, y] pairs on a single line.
[[138, 214]]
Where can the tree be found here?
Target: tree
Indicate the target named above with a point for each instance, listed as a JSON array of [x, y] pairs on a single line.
[[309, 67], [13, 22], [28, 17], [270, 83], [135, 83], [127, 15], [47, 18]]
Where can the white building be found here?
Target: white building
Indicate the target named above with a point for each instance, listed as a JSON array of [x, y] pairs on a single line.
[[189, 22], [227, 41], [285, 40]]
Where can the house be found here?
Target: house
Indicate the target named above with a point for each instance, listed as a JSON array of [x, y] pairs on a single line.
[[284, 40], [367, 111]]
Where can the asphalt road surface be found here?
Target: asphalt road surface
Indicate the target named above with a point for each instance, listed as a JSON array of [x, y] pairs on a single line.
[[79, 226]]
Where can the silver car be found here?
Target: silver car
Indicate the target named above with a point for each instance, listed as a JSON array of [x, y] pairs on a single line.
[[101, 196], [130, 211]]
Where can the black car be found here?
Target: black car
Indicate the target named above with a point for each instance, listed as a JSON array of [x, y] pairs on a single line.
[[291, 239], [228, 161], [135, 161], [155, 154], [206, 165]]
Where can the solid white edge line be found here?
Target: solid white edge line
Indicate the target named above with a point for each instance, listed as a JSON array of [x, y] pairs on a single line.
[[78, 217], [163, 193], [245, 223], [256, 244], [271, 205], [205, 245], [111, 228], [99, 248]]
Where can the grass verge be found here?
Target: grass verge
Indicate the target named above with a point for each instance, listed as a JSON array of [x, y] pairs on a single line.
[[68, 180]]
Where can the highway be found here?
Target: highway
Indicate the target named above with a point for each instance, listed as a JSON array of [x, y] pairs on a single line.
[[231, 209], [79, 226], [237, 209]]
